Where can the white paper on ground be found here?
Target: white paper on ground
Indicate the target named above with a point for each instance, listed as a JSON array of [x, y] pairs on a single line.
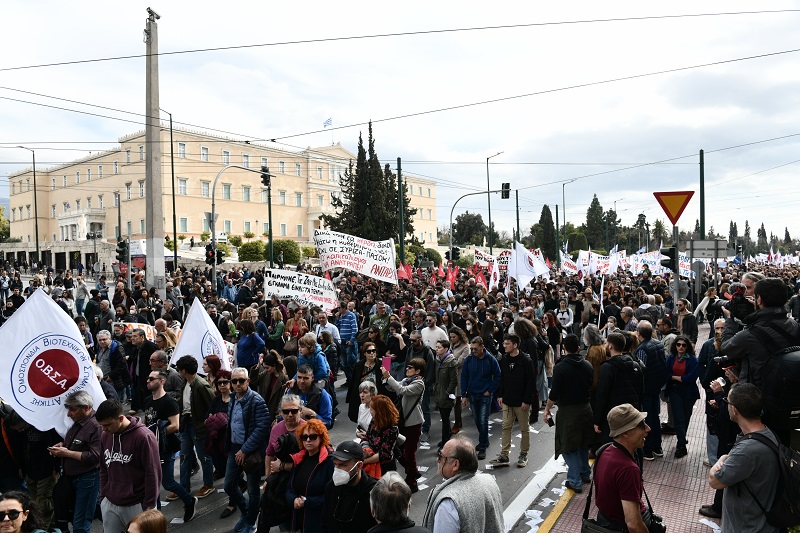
[[176, 521], [709, 523], [423, 468], [422, 487], [534, 431], [558, 491], [164, 504], [422, 479], [533, 514], [547, 502], [221, 491]]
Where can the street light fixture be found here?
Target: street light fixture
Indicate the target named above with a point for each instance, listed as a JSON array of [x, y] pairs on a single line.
[[489, 199], [35, 203]]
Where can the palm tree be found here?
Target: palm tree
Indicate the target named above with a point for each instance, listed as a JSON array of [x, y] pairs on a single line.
[[660, 233]]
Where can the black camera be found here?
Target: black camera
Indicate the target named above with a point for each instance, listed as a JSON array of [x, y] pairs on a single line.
[[738, 305], [723, 361], [656, 524]]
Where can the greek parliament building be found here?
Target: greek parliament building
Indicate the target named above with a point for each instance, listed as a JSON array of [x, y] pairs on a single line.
[[85, 197]]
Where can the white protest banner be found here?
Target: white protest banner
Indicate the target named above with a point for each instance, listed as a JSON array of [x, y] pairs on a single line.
[[149, 331], [201, 338], [46, 361], [375, 259], [482, 258], [526, 266], [302, 288], [502, 260], [568, 265]]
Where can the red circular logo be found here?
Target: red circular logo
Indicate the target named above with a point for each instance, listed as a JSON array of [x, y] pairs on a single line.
[[52, 373]]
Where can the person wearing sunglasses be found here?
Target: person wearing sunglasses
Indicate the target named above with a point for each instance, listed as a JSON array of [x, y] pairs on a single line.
[[312, 470], [216, 426], [80, 454], [16, 514], [247, 433], [291, 411], [682, 388]]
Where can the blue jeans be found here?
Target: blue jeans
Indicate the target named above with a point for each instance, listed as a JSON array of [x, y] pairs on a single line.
[[681, 411], [651, 404], [350, 358], [168, 479], [249, 507], [578, 467], [189, 440], [480, 406], [79, 305], [87, 488], [712, 443]]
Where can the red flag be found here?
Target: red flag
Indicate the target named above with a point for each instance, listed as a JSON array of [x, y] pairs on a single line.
[[480, 279], [441, 271], [401, 272], [455, 272], [419, 271], [328, 275], [433, 278], [409, 271], [547, 261]]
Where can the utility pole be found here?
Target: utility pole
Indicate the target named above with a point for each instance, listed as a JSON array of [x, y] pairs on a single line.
[[400, 198], [702, 195], [558, 237], [174, 212], [516, 193], [489, 199], [154, 272]]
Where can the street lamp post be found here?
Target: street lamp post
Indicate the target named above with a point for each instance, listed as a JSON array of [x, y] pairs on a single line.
[[564, 208], [489, 199], [35, 203], [615, 219], [174, 215], [213, 222], [451, 215], [93, 235]]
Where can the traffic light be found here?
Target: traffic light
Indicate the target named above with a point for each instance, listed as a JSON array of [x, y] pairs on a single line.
[[122, 251], [209, 254], [265, 175], [672, 258], [220, 259], [739, 250], [505, 191], [447, 255], [456, 253]]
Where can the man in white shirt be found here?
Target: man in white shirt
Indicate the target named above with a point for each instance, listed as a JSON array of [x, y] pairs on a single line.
[[432, 333]]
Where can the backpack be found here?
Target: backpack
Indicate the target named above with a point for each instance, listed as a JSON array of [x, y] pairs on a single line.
[[780, 379], [785, 510]]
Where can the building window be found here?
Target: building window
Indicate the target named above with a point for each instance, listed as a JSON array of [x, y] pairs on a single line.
[[282, 167], [116, 167], [264, 196], [430, 236], [227, 226], [247, 226], [88, 202], [226, 157], [430, 214], [266, 228], [319, 173], [297, 169], [29, 211], [13, 214], [77, 177], [183, 224], [63, 181], [245, 161], [128, 156], [299, 230], [52, 184], [204, 153], [429, 192], [141, 152], [127, 191], [130, 227], [183, 187], [141, 225], [100, 201], [78, 204], [141, 189], [245, 194], [320, 200], [99, 171], [53, 211], [283, 230], [282, 198], [226, 191], [88, 174], [182, 150], [13, 188], [298, 199], [264, 162], [205, 187], [420, 190]]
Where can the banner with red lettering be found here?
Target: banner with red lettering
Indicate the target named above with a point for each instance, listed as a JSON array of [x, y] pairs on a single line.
[[46, 360], [375, 259]]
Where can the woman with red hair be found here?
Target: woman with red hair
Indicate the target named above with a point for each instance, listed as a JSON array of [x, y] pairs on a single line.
[[212, 364], [313, 468], [381, 436]]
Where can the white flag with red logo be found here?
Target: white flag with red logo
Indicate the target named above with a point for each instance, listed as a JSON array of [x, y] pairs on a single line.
[[200, 338], [46, 360]]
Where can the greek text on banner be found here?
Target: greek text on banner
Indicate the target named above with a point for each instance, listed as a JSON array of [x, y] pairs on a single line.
[[306, 290], [371, 258]]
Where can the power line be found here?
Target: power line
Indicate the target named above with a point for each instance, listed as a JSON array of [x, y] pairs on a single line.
[[402, 34]]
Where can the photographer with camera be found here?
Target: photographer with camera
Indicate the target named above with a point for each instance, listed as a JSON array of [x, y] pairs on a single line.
[[765, 332]]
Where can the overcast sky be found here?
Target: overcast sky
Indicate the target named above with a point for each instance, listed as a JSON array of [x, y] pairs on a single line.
[[283, 91]]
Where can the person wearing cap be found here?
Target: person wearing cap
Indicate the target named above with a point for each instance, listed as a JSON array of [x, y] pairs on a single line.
[[346, 506], [618, 477]]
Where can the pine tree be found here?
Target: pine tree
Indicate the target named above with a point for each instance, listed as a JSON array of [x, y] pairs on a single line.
[[748, 241], [787, 240], [595, 227], [733, 233], [763, 245], [548, 243]]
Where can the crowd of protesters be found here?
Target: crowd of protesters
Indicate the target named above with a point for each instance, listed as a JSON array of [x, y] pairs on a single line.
[[415, 357]]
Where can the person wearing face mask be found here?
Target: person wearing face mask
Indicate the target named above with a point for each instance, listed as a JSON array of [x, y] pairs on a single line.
[[346, 506]]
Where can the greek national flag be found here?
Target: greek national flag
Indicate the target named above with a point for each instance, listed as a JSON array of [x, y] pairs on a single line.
[[641, 250], [327, 123]]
